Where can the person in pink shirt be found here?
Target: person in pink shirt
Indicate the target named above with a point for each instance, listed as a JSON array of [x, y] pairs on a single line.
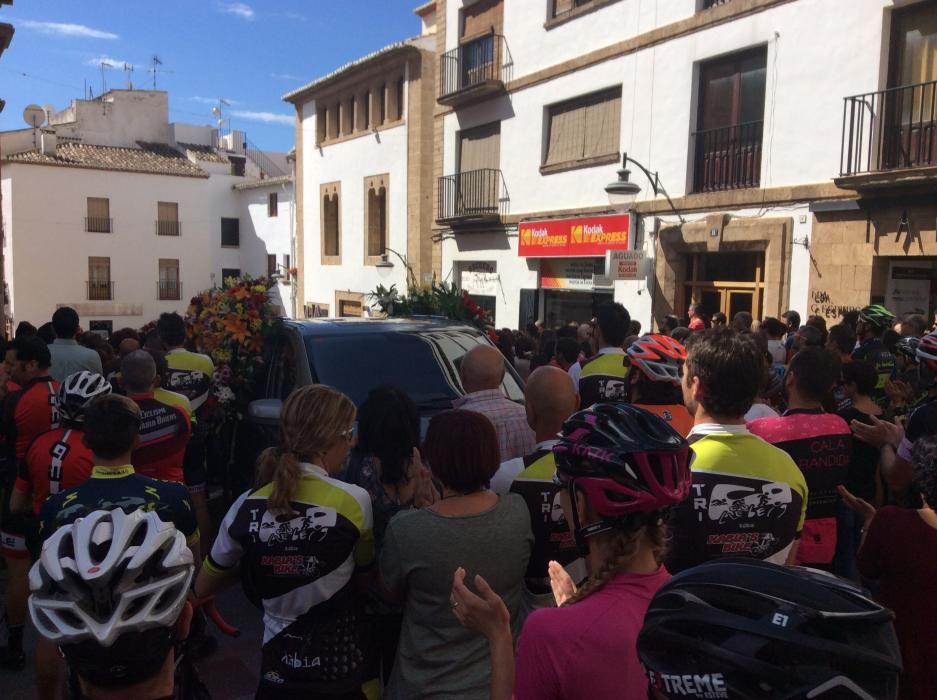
[[621, 468], [697, 323]]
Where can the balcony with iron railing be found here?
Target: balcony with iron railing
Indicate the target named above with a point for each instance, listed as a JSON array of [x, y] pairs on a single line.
[[99, 224], [889, 133], [169, 290], [475, 70], [472, 197], [168, 228], [98, 290], [727, 158]]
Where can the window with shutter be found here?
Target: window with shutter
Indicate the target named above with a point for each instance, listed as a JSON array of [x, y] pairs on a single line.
[[99, 279], [168, 284], [375, 202], [167, 218], [98, 219], [584, 131], [331, 224]]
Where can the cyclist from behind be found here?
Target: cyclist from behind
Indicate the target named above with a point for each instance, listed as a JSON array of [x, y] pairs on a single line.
[[874, 320], [654, 379], [739, 629], [98, 568], [602, 378]]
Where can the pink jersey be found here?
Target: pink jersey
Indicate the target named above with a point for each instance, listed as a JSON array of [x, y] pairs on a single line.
[[588, 650]]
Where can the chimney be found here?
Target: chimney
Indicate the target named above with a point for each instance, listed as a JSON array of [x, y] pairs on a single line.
[[47, 142]]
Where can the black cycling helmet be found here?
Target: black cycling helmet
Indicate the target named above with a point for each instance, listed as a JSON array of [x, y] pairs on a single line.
[[908, 347], [629, 462], [877, 315], [743, 628]]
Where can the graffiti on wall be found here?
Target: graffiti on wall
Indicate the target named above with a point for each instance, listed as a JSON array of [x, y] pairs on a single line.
[[821, 304]]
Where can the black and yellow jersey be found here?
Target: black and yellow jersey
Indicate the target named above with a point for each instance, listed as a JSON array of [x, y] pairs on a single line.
[[603, 379], [190, 374], [120, 487], [300, 565], [748, 498]]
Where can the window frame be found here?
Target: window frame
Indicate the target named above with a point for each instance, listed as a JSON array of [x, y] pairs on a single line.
[[586, 100], [161, 265], [100, 262], [238, 221], [229, 269], [167, 227], [108, 221], [273, 205], [330, 189], [576, 11], [375, 183]]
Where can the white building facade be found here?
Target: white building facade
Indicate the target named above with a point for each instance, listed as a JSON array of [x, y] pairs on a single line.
[[111, 209], [736, 105], [364, 160]]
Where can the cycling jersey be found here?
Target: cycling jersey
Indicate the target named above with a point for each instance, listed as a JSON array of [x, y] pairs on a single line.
[[164, 434], [821, 446], [748, 498], [922, 421], [873, 350], [174, 398], [552, 538], [189, 374], [30, 412], [57, 460], [301, 565], [675, 414], [119, 487], [602, 379]]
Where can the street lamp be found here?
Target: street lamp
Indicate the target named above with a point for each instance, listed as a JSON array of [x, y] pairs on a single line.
[[622, 193]]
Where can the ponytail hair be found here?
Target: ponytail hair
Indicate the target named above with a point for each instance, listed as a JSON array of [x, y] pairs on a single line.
[[314, 418]]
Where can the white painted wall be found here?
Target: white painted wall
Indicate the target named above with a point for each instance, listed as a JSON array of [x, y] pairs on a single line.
[[267, 235], [350, 162], [810, 69], [118, 118], [48, 249]]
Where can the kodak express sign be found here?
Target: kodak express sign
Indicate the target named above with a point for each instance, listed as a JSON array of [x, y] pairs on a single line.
[[571, 238]]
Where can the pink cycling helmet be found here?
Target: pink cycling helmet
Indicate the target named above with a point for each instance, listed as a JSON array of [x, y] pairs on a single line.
[[628, 461]]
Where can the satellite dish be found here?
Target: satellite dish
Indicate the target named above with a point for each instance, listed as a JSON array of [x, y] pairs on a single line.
[[216, 111], [34, 115]]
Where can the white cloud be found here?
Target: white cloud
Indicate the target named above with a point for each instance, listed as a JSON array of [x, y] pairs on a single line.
[[213, 101], [65, 29], [240, 9], [266, 117], [108, 62], [287, 76]]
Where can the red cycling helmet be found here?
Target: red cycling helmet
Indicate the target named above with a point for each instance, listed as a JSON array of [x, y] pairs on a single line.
[[630, 463], [927, 350], [659, 357]]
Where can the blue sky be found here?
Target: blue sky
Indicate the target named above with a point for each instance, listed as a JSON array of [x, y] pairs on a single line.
[[249, 53]]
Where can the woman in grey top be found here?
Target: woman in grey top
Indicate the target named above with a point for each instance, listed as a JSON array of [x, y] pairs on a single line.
[[469, 527]]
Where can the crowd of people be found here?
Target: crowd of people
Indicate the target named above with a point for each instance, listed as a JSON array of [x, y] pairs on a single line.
[[698, 512]]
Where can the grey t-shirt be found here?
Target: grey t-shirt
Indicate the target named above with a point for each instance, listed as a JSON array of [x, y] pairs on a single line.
[[437, 657]]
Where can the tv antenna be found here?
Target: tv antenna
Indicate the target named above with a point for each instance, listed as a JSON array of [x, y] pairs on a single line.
[[218, 112], [105, 65], [128, 69], [157, 62]]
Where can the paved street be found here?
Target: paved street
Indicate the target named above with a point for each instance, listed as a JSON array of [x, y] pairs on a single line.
[[231, 672]]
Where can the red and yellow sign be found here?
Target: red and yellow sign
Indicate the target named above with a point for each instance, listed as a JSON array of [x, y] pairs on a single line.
[[570, 238]]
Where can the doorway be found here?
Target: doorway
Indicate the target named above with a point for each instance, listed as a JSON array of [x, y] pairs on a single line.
[[726, 282]]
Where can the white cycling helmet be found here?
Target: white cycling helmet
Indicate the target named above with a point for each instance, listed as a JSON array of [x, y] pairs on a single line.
[[109, 574], [78, 391]]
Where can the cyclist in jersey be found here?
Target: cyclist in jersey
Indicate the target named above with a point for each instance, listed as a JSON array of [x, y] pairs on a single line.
[[99, 568], [27, 414], [163, 395], [748, 630], [602, 378], [654, 379], [304, 537], [59, 459], [550, 401], [621, 469], [748, 498], [904, 389], [164, 429], [820, 444], [874, 320], [189, 374]]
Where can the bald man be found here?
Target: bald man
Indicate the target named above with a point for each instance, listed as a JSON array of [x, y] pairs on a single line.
[[551, 399], [482, 372]]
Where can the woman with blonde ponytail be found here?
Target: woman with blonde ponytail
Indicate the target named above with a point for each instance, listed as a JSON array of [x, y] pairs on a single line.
[[620, 469], [303, 536]]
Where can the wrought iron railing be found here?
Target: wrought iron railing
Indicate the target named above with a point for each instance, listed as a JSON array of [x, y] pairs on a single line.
[[728, 158], [98, 290], [475, 194], [263, 162], [168, 228], [169, 289], [475, 62], [890, 129], [98, 224]]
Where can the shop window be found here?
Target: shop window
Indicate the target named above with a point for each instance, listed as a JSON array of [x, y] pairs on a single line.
[[331, 224], [727, 143], [375, 204], [583, 132]]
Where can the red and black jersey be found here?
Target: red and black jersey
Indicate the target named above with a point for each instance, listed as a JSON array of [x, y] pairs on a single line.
[[164, 435], [28, 413], [57, 460]]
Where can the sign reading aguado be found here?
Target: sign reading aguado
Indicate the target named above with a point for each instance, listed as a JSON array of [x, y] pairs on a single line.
[[569, 238]]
